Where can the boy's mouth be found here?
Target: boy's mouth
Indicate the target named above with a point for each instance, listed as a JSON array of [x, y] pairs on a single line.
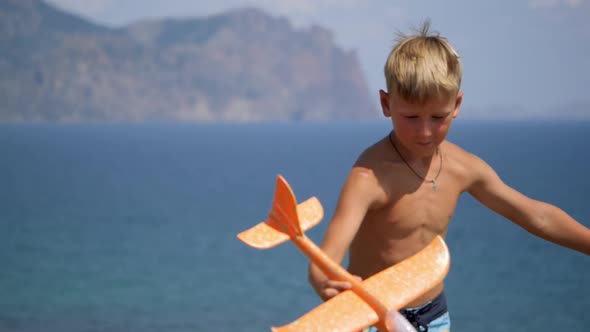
[[425, 144]]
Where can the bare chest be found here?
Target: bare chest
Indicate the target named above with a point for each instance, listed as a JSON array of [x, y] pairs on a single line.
[[426, 209]]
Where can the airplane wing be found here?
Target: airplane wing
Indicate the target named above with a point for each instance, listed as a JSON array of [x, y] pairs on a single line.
[[396, 286], [267, 234]]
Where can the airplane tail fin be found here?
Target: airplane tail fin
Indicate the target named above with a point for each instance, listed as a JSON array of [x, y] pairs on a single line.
[[283, 214], [286, 219]]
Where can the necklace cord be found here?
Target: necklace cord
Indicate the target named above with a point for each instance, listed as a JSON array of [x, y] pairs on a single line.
[[433, 181]]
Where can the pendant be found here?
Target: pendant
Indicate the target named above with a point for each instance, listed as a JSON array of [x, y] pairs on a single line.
[[434, 185]]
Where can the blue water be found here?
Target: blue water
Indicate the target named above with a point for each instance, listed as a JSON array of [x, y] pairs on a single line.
[[132, 228]]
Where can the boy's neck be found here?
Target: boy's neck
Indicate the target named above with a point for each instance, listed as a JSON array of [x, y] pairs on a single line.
[[426, 162], [408, 156]]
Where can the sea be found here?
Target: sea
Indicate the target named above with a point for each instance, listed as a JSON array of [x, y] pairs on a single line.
[[123, 228]]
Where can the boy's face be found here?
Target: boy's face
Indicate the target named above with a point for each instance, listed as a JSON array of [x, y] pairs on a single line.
[[420, 128]]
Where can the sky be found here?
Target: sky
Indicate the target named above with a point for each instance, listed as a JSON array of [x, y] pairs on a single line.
[[527, 57]]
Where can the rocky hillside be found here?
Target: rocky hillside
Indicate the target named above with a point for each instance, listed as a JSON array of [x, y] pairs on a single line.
[[240, 66]]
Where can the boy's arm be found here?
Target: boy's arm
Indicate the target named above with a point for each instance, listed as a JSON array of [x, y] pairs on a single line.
[[539, 218], [354, 201]]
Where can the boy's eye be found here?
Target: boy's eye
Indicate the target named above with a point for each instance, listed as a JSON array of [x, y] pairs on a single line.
[[438, 117], [411, 116]]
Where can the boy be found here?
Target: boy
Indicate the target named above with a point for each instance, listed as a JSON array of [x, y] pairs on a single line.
[[402, 191]]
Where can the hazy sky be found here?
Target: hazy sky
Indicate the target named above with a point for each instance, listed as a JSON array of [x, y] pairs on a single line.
[[531, 55]]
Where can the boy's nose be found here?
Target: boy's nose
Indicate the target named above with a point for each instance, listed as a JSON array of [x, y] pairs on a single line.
[[426, 128]]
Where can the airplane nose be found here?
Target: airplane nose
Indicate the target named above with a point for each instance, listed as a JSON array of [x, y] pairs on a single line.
[[395, 322]]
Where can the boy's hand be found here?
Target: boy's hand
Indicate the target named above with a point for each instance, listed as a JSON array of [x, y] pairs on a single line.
[[327, 289]]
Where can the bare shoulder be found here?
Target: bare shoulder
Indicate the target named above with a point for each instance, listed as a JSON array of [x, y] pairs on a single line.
[[370, 169], [457, 154], [373, 157], [465, 166]]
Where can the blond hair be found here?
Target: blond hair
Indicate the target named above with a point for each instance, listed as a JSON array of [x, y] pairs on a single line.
[[423, 66]]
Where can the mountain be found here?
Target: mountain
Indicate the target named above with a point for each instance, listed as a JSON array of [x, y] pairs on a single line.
[[239, 66]]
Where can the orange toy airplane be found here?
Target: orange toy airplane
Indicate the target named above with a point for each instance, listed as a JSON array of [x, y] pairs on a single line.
[[372, 302]]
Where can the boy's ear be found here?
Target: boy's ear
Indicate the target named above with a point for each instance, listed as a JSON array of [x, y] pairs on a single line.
[[384, 98], [458, 104]]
